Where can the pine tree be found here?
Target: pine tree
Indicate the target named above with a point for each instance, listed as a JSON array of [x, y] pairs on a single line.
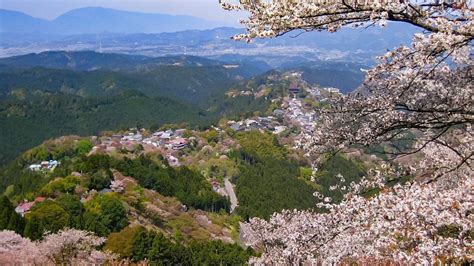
[[33, 229], [9, 219], [16, 223], [5, 210]]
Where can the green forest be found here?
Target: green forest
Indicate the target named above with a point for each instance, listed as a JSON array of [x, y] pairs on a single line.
[[268, 180], [188, 186], [139, 244], [39, 104], [27, 123], [106, 216]]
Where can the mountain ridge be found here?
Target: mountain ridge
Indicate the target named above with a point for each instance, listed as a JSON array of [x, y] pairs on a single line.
[[99, 20]]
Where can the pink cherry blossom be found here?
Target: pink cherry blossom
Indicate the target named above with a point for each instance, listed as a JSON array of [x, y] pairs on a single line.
[[69, 246]]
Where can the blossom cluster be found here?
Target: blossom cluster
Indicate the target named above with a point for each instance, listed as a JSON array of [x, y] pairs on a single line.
[[401, 224], [271, 18], [67, 247]]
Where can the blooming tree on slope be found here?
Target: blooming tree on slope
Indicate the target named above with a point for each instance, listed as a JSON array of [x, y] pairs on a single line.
[[426, 90], [67, 247], [15, 249]]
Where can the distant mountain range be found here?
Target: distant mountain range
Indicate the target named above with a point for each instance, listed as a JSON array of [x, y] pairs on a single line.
[[90, 60], [93, 20], [349, 45]]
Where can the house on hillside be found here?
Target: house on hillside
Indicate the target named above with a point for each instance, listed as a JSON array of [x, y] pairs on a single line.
[[165, 136], [179, 144], [133, 137], [294, 88], [279, 112], [25, 207], [158, 133], [237, 126], [51, 164], [35, 167], [179, 132], [252, 125], [117, 137], [279, 129]]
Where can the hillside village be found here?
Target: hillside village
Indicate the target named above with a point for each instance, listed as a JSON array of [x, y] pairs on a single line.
[[294, 118], [293, 114], [291, 119]]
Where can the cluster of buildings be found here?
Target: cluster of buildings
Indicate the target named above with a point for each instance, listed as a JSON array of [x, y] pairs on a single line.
[[169, 139], [294, 88], [44, 165], [324, 94], [168, 142], [295, 112], [269, 123], [293, 109]]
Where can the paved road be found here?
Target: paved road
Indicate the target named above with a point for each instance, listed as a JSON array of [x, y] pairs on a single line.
[[230, 191]]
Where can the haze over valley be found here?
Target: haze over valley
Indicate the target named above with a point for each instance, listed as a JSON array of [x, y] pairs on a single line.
[[144, 34]]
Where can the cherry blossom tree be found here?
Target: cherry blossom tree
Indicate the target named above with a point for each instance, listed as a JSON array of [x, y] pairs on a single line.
[[67, 247], [117, 186], [271, 18], [423, 94], [15, 249], [407, 224]]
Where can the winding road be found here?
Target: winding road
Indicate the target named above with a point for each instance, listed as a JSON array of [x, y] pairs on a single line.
[[230, 191]]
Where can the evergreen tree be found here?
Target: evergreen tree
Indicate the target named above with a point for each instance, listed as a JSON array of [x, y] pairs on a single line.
[[73, 206], [90, 222], [33, 228], [140, 247], [9, 219], [16, 223], [50, 216]]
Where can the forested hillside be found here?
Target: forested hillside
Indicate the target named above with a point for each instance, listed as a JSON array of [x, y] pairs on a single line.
[[32, 120], [90, 60], [190, 84], [268, 179], [59, 93], [321, 133]]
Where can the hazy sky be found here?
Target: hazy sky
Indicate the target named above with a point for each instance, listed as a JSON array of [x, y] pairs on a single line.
[[50, 9]]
